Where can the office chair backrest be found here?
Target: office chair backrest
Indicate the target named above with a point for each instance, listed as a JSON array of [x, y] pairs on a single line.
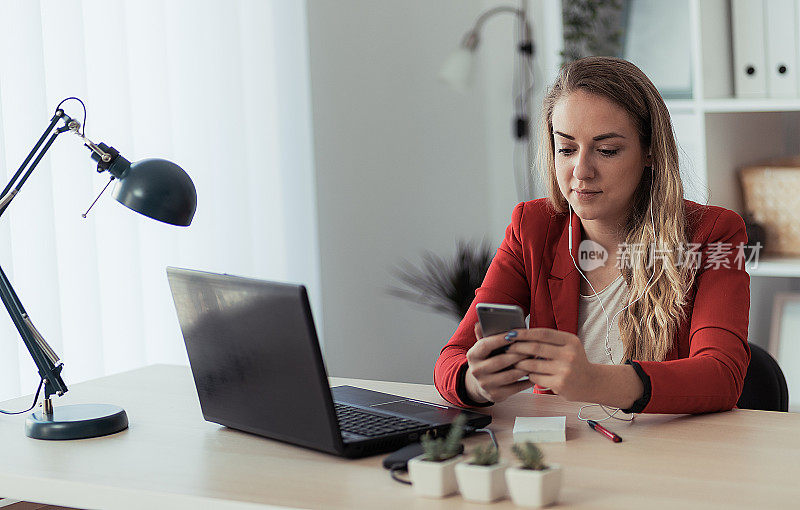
[[764, 385]]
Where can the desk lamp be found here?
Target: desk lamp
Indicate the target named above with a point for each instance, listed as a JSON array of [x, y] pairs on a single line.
[[154, 187]]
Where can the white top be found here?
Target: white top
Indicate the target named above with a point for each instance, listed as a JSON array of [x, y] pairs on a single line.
[[592, 322]]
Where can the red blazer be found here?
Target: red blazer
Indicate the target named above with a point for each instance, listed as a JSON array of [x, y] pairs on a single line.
[[705, 369]]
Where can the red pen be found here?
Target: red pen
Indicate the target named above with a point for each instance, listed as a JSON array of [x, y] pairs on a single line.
[[599, 428]]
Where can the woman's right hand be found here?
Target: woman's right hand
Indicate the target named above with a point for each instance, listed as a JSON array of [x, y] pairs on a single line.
[[487, 378]]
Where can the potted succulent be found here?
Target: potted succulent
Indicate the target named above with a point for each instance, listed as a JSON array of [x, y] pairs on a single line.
[[534, 483], [433, 472], [481, 478]]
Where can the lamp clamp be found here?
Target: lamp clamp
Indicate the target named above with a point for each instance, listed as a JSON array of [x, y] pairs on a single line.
[[104, 155], [99, 152], [54, 385]]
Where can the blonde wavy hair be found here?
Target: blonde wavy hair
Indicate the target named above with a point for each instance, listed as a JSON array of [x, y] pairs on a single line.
[[649, 327]]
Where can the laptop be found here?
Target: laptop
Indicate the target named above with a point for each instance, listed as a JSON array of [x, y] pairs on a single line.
[[257, 366]]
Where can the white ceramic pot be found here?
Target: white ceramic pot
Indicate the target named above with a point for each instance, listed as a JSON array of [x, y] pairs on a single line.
[[532, 488], [433, 479], [483, 484]]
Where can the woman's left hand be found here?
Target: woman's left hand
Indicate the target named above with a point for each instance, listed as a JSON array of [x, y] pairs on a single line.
[[562, 365]]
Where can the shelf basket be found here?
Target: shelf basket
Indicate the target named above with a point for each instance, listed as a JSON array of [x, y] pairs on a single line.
[[771, 194]]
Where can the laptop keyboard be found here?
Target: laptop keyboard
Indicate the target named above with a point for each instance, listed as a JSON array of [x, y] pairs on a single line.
[[357, 421]]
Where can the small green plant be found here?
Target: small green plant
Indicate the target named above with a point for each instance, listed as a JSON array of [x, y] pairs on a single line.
[[442, 449], [485, 455], [530, 455]]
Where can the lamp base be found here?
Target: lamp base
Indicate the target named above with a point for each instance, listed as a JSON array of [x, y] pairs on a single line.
[[78, 421]]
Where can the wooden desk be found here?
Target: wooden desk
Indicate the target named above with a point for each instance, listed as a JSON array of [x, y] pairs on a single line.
[[171, 458]]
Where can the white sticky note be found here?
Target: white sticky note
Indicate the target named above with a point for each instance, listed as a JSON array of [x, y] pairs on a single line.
[[540, 429]]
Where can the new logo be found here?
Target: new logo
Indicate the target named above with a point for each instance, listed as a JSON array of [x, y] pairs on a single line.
[[591, 255]]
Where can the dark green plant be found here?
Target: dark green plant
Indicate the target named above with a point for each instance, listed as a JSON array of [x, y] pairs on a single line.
[[485, 455], [446, 285], [592, 27], [442, 449], [530, 455]]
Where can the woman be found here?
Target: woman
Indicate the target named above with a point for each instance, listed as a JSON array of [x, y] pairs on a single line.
[[661, 326]]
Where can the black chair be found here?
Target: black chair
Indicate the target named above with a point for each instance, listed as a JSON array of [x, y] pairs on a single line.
[[764, 385]]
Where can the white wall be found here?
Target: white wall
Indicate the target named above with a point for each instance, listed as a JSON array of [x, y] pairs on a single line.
[[403, 165]]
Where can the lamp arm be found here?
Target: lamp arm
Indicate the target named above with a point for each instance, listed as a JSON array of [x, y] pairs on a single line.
[[104, 157], [495, 10], [45, 358], [472, 38], [13, 187], [43, 355], [6, 198]]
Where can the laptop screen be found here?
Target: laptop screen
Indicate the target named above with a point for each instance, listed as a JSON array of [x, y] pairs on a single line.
[[255, 356]]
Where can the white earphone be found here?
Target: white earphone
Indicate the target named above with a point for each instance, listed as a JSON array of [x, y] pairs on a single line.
[[609, 321]]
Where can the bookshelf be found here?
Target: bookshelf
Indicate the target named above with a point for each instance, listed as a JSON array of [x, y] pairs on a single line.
[[719, 133], [781, 267]]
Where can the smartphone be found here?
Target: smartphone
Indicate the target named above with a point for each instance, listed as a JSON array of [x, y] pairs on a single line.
[[497, 318]]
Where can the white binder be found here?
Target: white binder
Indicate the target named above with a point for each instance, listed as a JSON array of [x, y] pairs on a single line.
[[781, 33], [749, 52]]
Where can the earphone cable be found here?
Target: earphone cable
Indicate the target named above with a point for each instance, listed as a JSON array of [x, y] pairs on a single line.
[[610, 415]]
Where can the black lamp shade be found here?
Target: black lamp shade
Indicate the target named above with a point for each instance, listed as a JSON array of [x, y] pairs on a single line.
[[156, 188]]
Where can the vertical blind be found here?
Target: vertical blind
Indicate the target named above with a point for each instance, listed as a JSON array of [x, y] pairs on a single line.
[[219, 87]]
